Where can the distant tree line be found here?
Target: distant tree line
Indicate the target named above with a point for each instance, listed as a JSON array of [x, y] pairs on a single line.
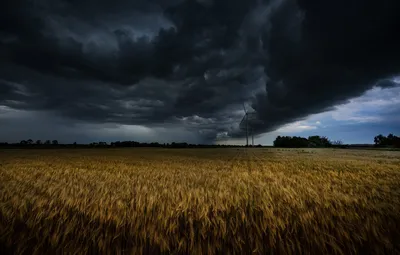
[[37, 142], [323, 142], [387, 141], [390, 141], [168, 145], [118, 144], [302, 142]]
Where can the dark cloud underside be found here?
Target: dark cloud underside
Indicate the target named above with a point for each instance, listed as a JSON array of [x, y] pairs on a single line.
[[193, 63]]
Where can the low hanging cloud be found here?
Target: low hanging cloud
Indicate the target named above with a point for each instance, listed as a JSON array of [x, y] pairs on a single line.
[[192, 64]]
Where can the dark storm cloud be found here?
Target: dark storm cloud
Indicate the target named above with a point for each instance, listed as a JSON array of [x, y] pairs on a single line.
[[346, 47], [194, 63]]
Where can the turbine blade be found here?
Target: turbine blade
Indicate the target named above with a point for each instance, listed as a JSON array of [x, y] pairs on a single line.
[[244, 108], [242, 124]]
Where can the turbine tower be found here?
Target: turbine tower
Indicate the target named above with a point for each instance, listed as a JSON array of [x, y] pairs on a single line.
[[246, 124]]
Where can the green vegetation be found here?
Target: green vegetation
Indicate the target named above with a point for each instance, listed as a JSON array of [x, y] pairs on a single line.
[[391, 141], [387, 141], [301, 142]]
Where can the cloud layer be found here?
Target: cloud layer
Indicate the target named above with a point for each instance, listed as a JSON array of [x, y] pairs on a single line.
[[359, 120], [191, 64]]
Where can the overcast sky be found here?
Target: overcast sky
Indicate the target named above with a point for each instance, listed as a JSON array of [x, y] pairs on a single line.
[[175, 70]]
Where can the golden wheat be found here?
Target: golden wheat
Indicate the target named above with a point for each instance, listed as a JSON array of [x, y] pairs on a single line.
[[200, 201]]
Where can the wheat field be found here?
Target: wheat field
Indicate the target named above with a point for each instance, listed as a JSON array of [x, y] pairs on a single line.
[[200, 201]]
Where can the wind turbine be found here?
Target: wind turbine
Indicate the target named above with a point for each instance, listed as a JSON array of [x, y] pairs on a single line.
[[244, 124]]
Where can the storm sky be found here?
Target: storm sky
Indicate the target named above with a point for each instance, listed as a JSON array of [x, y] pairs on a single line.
[[180, 70]]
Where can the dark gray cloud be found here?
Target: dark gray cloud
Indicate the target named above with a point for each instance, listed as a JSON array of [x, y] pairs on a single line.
[[193, 63]]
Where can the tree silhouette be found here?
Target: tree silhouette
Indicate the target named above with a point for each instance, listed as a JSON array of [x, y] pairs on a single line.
[[288, 141], [379, 139], [54, 142], [391, 141], [337, 143], [301, 142]]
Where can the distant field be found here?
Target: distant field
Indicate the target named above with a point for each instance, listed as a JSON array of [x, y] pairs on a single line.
[[200, 201]]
